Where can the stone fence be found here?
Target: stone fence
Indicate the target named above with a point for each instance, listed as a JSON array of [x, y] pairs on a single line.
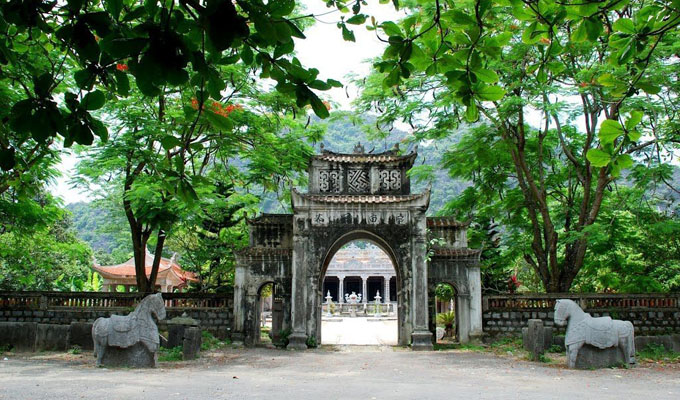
[[651, 313], [213, 310]]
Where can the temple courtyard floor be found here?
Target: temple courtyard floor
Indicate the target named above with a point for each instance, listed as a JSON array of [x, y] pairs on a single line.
[[331, 372]]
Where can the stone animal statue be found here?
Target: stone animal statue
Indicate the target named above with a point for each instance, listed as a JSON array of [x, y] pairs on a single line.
[[600, 332], [126, 331]]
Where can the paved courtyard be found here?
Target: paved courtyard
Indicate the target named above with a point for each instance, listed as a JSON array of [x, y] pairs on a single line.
[[360, 331], [342, 373]]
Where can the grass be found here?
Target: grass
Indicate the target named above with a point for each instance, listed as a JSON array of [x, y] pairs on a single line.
[[657, 353], [210, 342], [173, 354], [458, 346], [75, 350]]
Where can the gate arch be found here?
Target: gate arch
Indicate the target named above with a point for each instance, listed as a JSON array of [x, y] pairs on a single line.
[[356, 196], [385, 247]]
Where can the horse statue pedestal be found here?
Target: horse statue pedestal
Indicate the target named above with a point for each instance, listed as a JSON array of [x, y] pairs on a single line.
[[594, 342], [594, 357], [137, 356], [131, 340]]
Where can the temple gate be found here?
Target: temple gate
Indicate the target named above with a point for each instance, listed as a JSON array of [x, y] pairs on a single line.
[[350, 197]]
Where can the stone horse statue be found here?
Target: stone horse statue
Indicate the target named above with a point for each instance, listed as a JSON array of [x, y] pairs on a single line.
[[127, 331], [600, 332]]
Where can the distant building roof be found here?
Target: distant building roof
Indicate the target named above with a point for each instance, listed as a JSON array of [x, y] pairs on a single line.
[[166, 269]]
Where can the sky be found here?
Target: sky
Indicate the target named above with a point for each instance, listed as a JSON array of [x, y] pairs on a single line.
[[323, 49]]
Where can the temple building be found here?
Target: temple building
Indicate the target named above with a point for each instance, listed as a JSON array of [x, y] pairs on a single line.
[[170, 277], [363, 271]]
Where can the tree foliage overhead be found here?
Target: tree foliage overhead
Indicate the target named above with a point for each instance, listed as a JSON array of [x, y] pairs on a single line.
[[101, 47], [568, 95]]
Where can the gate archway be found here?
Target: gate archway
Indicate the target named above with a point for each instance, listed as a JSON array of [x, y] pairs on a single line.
[[350, 197]]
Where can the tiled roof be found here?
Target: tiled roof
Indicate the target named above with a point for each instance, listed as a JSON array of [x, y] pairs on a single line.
[[457, 253], [445, 222], [264, 251], [127, 269], [271, 219], [363, 199], [364, 158]]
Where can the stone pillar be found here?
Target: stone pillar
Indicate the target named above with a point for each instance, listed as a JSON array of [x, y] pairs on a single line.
[[421, 338], [364, 294], [475, 285], [341, 289], [298, 338], [238, 325], [386, 295]]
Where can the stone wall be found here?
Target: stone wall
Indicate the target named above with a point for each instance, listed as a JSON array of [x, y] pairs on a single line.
[[651, 314], [214, 311]]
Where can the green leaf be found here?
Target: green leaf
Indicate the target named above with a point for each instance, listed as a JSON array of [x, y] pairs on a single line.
[[93, 100], [472, 113], [609, 131], [620, 163], [318, 106], [169, 141], [357, 19], [635, 118], [490, 93], [648, 87], [391, 29], [486, 75], [598, 157], [114, 7], [347, 34], [84, 79], [219, 122], [580, 34], [634, 135], [624, 25], [606, 80]]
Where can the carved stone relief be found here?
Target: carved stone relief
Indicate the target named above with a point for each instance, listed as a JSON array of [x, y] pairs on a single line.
[[330, 181], [357, 181], [390, 180]]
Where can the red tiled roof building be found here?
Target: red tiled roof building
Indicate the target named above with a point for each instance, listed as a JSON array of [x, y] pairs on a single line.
[[171, 276]]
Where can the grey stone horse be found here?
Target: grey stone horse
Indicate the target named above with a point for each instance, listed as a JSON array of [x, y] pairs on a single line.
[[600, 332], [126, 331]]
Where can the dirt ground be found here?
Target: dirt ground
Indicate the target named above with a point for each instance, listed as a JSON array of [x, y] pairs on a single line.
[[339, 372]]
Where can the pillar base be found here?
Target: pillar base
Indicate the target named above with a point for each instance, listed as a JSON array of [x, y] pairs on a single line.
[[421, 340], [297, 341], [237, 338]]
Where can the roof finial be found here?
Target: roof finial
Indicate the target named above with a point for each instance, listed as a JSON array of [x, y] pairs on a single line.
[[359, 149], [173, 258]]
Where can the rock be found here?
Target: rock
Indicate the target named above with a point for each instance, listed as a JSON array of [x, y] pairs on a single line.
[[176, 330], [20, 336], [590, 357], [80, 335], [440, 333], [192, 343], [136, 356], [535, 338], [52, 337]]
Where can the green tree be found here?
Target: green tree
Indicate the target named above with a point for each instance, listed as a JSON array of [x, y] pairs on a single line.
[[596, 79], [173, 153], [38, 247], [100, 45]]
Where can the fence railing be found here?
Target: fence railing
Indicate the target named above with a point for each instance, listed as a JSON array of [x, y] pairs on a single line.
[[107, 300], [532, 302], [367, 309]]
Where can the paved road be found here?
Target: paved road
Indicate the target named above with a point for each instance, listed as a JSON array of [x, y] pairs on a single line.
[[361, 373], [359, 330]]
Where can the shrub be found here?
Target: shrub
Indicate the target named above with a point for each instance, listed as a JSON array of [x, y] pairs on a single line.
[[173, 354]]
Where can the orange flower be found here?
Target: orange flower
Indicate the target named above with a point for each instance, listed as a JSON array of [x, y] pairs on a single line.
[[121, 67], [545, 40]]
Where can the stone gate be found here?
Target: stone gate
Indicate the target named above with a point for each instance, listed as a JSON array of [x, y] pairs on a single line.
[[356, 196]]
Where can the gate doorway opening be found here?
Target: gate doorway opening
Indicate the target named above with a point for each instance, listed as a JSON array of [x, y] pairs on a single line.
[[359, 300], [269, 316], [445, 313]]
